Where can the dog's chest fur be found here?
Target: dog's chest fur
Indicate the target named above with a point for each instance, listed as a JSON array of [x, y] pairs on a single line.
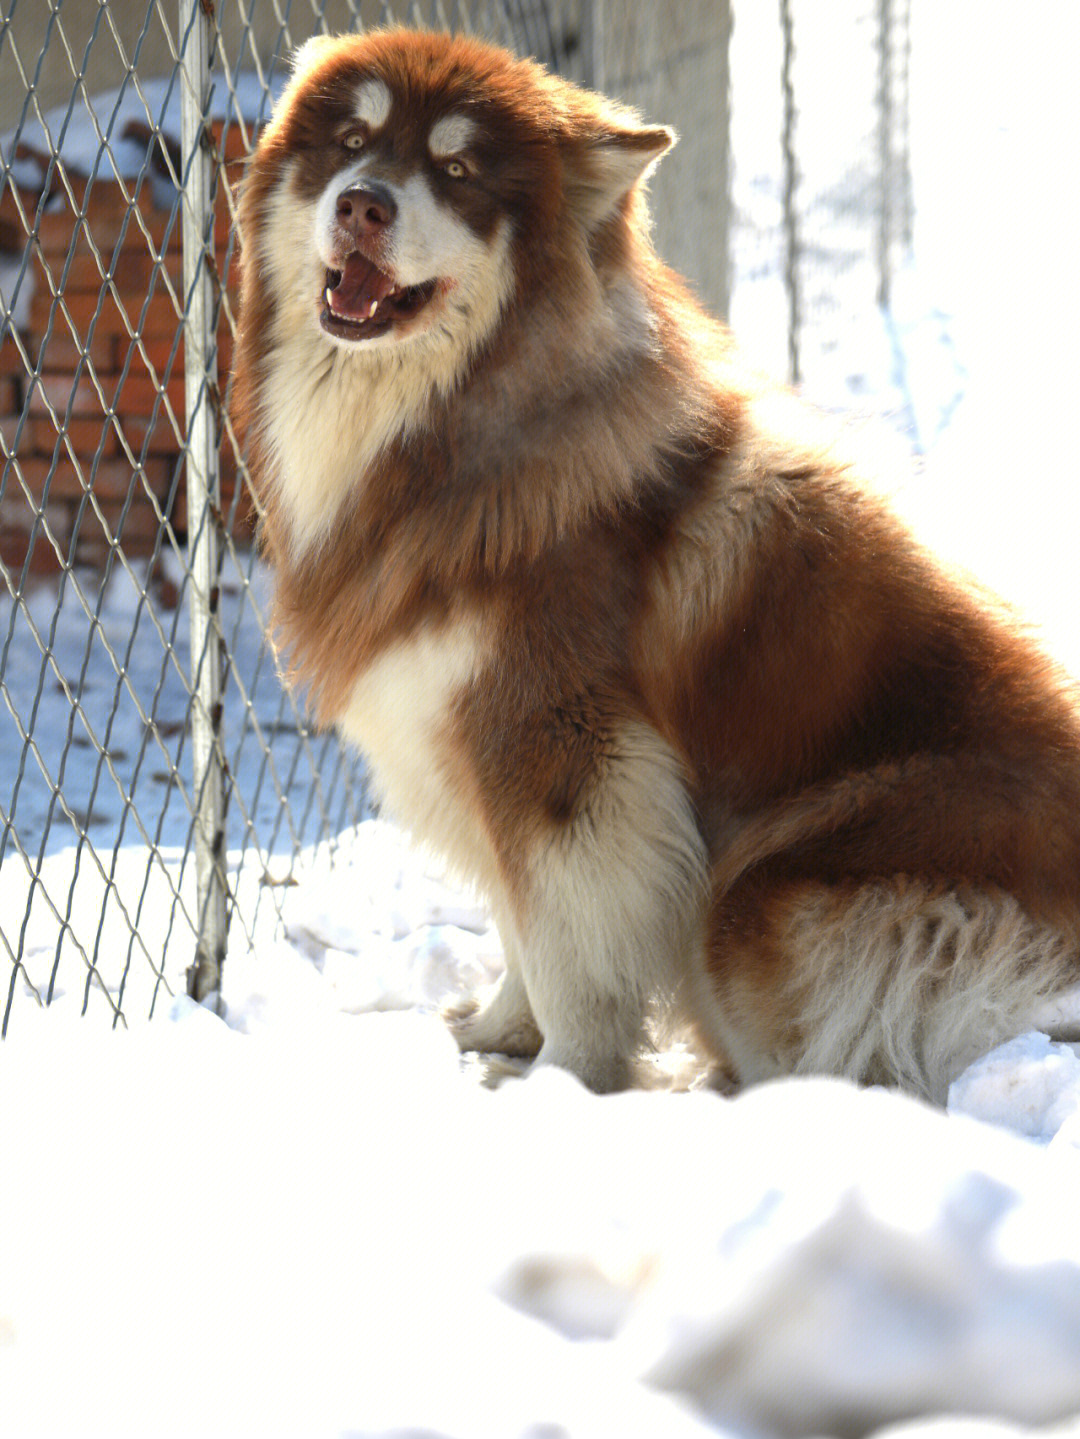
[[400, 713], [331, 418]]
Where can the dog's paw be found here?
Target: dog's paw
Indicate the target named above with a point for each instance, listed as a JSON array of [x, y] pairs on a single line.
[[457, 1014], [495, 1028]]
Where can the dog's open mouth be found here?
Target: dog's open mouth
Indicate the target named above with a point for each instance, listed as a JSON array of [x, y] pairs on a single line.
[[360, 301]]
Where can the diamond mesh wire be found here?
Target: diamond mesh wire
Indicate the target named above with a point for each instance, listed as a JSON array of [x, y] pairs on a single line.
[[97, 808], [98, 901]]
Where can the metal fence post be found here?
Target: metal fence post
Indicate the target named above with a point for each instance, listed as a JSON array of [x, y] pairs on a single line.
[[203, 494], [792, 244], [885, 156]]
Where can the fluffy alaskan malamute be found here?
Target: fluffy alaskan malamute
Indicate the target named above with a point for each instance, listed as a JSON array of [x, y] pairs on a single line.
[[680, 696]]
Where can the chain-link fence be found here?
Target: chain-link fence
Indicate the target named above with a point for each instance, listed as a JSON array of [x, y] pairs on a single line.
[[159, 789]]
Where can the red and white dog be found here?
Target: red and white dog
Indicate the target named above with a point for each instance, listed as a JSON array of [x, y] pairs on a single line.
[[678, 694]]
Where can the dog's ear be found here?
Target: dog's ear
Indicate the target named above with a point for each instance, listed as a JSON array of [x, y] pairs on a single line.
[[606, 164]]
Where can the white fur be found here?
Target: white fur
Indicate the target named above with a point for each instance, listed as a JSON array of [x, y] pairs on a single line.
[[397, 715], [450, 135], [331, 407], [897, 985], [308, 54], [373, 101], [612, 915], [427, 240], [327, 423]]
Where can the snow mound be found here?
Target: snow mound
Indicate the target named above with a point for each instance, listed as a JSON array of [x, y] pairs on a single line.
[[1030, 1085]]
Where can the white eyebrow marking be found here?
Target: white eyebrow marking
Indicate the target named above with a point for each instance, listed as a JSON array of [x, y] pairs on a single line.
[[373, 103], [450, 135]]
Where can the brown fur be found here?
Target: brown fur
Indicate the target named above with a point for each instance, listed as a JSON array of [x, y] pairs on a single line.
[[640, 547]]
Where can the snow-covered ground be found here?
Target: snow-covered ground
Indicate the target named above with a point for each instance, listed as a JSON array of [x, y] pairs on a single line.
[[308, 1217], [321, 1226]]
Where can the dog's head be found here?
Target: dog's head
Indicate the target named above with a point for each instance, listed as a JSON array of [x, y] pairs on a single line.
[[410, 183]]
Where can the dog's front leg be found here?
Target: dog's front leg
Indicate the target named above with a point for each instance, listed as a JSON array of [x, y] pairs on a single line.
[[610, 910]]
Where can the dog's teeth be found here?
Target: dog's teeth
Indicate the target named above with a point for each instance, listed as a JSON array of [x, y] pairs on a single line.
[[373, 308]]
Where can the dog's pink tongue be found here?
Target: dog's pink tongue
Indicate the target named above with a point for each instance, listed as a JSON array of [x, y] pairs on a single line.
[[361, 286]]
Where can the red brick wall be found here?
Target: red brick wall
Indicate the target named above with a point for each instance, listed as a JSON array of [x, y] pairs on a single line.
[[108, 412]]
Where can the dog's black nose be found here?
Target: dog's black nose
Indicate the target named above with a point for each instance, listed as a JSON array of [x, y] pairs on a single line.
[[365, 211]]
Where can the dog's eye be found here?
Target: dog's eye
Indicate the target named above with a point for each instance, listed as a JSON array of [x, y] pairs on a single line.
[[456, 169], [354, 140]]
